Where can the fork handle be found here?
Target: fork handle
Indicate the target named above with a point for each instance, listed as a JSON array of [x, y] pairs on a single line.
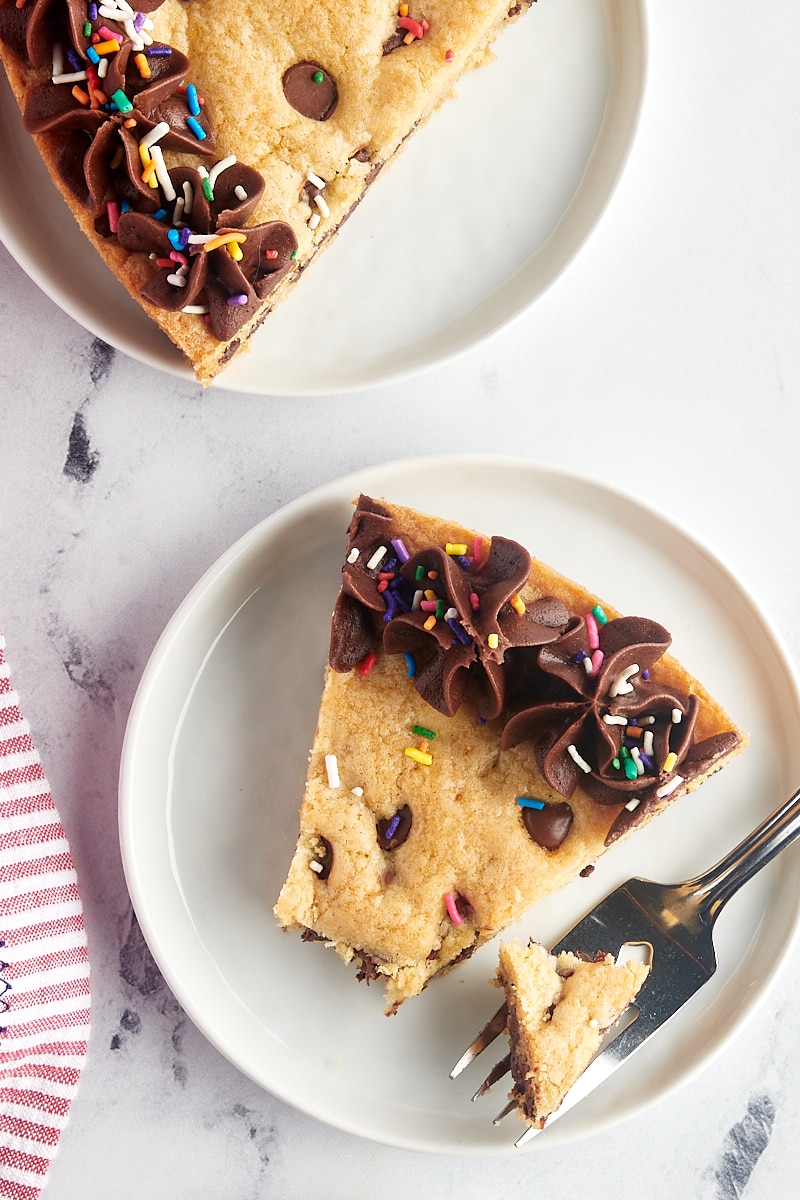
[[712, 890]]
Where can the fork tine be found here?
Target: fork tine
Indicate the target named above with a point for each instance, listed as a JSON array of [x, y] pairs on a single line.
[[497, 1072], [487, 1035], [509, 1108]]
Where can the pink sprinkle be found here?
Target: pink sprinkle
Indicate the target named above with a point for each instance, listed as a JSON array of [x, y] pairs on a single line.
[[271, 254], [449, 56], [592, 632], [177, 257], [452, 909], [428, 605], [475, 601], [112, 208], [597, 661], [477, 549], [108, 36]]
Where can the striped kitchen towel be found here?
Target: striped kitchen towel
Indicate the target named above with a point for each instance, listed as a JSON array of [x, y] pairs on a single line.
[[44, 968]]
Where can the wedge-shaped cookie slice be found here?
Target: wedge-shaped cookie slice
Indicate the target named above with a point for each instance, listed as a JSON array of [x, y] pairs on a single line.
[[210, 148], [487, 730], [559, 1009]]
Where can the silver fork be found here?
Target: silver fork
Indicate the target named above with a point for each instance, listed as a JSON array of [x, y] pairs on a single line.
[[675, 921]]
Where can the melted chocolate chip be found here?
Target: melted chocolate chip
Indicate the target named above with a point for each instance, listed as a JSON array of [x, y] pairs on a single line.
[[310, 90], [548, 826], [324, 856], [400, 829]]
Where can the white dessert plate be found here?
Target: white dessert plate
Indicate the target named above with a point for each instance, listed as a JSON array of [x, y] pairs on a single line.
[[212, 775], [480, 214]]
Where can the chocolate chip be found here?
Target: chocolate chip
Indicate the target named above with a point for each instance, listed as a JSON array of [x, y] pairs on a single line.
[[400, 827], [310, 90], [548, 826], [322, 861]]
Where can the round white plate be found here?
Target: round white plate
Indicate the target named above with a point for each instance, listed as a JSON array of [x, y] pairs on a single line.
[[479, 215], [212, 776]]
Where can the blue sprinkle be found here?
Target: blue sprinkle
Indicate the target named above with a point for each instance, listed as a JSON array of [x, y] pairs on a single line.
[[74, 60], [645, 674], [525, 802], [649, 765], [125, 206], [196, 128], [158, 51], [411, 664], [159, 216], [174, 236], [192, 101], [579, 657], [92, 55]]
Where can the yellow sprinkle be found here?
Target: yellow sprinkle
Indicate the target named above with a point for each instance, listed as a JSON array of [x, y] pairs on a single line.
[[455, 548], [419, 756], [409, 38], [223, 239], [430, 595], [143, 65], [235, 251], [670, 762], [145, 155], [403, 12], [492, 641], [110, 47], [518, 604], [149, 174], [430, 622]]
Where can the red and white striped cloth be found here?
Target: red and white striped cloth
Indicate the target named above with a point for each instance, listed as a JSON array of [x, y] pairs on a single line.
[[44, 967]]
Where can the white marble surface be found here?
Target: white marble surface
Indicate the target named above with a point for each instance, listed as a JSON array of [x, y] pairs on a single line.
[[666, 359]]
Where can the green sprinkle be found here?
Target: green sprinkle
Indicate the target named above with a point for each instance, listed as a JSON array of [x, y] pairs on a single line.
[[208, 191], [615, 764], [294, 254], [122, 102], [421, 731], [87, 29], [631, 770], [526, 802], [318, 77], [439, 609], [599, 615], [624, 752], [420, 573]]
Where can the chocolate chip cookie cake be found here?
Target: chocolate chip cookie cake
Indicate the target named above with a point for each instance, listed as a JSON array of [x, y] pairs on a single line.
[[487, 730], [210, 148]]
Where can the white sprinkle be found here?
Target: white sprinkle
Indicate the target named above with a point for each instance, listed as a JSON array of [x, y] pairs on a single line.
[[635, 755], [177, 215], [669, 787], [647, 742], [621, 686], [332, 767], [315, 180], [188, 197], [197, 239], [677, 716], [102, 68], [451, 614], [58, 59], [316, 866], [611, 720], [419, 596], [155, 135], [322, 205], [575, 756], [593, 1024], [646, 720], [218, 168], [353, 555], [632, 805], [152, 256], [71, 77], [377, 558], [239, 192], [176, 280], [587, 664], [202, 171], [357, 791], [314, 221], [162, 174], [198, 309]]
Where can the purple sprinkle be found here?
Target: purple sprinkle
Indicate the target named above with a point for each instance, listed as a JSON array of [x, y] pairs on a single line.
[[400, 549], [74, 60], [464, 562], [633, 720], [158, 51], [237, 301], [390, 564], [391, 828], [92, 12], [391, 605], [139, 20], [481, 720], [579, 657], [461, 636], [649, 765], [645, 674]]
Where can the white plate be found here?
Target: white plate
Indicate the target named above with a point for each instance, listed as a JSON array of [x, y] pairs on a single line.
[[476, 219], [214, 763]]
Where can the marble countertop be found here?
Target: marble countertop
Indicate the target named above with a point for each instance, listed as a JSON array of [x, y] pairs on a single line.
[[664, 360]]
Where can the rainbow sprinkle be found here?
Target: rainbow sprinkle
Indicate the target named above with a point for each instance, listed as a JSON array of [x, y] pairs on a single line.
[[418, 756], [452, 909]]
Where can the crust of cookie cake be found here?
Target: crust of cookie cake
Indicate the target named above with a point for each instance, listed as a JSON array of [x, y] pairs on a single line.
[[383, 99], [559, 1009], [384, 908]]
